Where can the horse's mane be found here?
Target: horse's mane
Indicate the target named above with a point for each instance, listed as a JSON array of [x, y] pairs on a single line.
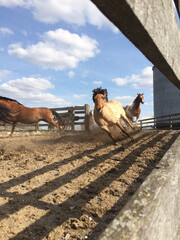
[[135, 100], [9, 99], [100, 91]]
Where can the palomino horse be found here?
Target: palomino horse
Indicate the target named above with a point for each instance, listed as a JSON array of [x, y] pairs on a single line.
[[107, 114], [12, 111], [134, 109]]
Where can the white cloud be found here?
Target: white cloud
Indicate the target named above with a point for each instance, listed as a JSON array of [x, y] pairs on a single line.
[[119, 81], [125, 98], [142, 80], [30, 84], [4, 73], [5, 31], [148, 104], [31, 91], [97, 82], [12, 3], [58, 50], [71, 74], [79, 96], [77, 12]]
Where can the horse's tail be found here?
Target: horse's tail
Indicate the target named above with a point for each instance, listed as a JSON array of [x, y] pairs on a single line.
[[59, 118], [5, 114]]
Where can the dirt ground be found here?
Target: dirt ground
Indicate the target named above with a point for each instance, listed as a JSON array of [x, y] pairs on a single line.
[[71, 186]]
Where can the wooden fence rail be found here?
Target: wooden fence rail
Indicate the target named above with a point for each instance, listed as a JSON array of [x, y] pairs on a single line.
[[163, 122]]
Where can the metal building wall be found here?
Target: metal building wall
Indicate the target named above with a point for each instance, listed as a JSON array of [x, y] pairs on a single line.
[[166, 95]]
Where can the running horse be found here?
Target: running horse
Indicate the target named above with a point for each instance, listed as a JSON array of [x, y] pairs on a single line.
[[11, 111], [134, 109], [109, 113]]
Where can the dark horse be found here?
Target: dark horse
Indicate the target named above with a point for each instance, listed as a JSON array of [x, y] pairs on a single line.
[[11, 111], [134, 109]]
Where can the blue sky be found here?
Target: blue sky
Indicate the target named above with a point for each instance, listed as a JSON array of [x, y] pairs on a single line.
[[53, 54]]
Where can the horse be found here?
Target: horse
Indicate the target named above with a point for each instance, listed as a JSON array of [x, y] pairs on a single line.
[[109, 113], [134, 109], [68, 117], [11, 111]]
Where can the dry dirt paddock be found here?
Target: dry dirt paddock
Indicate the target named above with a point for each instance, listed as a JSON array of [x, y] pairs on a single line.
[[70, 186]]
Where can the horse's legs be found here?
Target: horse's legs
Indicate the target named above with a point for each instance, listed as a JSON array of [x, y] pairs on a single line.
[[13, 127], [136, 120], [54, 123], [50, 119], [106, 129], [119, 124], [127, 121]]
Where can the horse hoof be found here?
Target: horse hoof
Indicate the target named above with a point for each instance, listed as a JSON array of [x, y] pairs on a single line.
[[116, 143]]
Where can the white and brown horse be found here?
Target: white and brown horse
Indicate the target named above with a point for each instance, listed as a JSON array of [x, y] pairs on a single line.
[[134, 109], [13, 112], [109, 113]]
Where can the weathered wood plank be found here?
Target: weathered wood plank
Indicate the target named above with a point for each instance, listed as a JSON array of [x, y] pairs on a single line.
[[152, 27]]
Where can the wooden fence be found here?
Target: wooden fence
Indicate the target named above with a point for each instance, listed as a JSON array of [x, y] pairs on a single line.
[[82, 113], [72, 113], [164, 122]]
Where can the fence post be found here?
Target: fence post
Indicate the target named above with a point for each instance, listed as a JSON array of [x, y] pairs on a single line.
[[170, 122], [140, 124], [154, 123], [87, 117], [72, 118], [37, 127]]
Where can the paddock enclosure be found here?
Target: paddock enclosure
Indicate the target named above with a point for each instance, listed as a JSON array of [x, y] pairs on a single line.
[[73, 184]]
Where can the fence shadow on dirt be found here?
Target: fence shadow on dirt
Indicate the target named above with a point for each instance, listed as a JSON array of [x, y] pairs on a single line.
[[58, 214]]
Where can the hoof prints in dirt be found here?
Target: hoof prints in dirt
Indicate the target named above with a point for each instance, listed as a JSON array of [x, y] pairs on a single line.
[[72, 187]]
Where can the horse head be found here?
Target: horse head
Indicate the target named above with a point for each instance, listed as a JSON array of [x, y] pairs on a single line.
[[140, 97], [99, 101], [100, 91]]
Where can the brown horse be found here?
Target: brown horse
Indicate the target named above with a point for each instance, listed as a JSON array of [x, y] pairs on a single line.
[[107, 114], [12, 111], [134, 109]]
